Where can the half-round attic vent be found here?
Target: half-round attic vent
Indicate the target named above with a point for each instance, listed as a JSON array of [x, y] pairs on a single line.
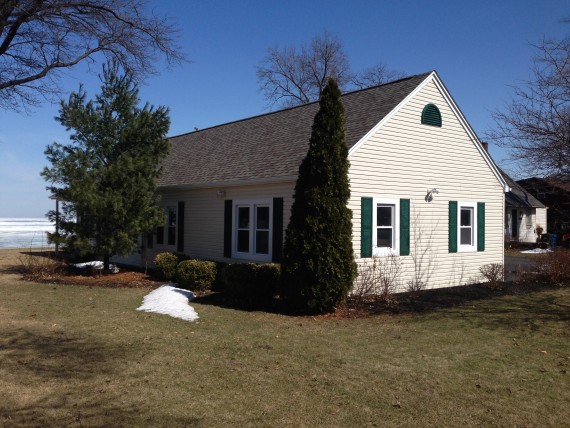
[[431, 115]]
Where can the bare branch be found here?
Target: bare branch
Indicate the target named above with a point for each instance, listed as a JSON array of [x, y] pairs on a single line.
[[39, 38], [535, 126], [377, 75], [289, 77]]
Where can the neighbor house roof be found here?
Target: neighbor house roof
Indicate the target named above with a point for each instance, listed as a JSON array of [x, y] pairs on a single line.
[[271, 147], [518, 196]]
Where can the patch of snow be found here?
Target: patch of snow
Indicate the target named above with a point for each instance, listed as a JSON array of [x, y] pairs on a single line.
[[96, 265], [169, 300], [537, 251]]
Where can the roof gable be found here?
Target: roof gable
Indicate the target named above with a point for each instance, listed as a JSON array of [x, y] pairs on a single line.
[[271, 147], [518, 196], [433, 77]]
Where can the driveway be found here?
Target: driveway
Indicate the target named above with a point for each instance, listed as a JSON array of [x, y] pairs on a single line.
[[515, 265]]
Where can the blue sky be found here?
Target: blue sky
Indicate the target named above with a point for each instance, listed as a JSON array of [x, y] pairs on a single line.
[[478, 48]]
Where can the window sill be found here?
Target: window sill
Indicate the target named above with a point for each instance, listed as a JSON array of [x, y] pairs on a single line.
[[252, 257], [383, 252]]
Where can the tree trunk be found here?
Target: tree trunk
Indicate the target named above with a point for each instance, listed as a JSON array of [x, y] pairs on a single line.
[[106, 263]]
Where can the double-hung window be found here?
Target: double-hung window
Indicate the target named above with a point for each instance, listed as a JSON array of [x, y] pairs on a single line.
[[466, 226], [385, 224], [467, 222], [252, 226]]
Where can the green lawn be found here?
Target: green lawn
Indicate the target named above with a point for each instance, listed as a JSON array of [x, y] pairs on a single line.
[[80, 356]]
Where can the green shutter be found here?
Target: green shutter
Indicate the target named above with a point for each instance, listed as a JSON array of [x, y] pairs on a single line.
[[180, 231], [227, 228], [404, 227], [480, 226], [453, 226], [366, 227], [277, 250], [431, 115]]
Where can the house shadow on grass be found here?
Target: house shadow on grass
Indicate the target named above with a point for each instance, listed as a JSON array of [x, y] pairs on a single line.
[[219, 299], [444, 298], [401, 303], [529, 312]]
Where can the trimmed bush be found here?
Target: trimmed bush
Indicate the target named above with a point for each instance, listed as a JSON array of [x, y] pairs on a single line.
[[218, 284], [196, 274], [166, 265], [251, 282]]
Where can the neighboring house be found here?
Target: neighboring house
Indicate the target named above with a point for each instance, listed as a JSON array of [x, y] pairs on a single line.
[[422, 187], [555, 194], [523, 213]]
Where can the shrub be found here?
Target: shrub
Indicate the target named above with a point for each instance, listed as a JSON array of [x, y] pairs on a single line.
[[378, 280], [554, 267], [196, 274], [318, 260], [494, 273], [251, 282], [166, 265], [218, 284], [40, 267]]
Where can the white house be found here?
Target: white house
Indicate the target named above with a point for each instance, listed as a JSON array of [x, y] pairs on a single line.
[[423, 189], [523, 214]]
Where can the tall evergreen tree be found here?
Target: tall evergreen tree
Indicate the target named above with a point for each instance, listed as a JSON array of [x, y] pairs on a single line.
[[106, 175], [318, 260]]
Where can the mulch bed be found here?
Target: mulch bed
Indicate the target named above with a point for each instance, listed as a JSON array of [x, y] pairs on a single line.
[[123, 279], [402, 303]]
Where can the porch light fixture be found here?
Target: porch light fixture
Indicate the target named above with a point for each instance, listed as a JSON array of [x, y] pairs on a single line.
[[221, 193], [429, 195]]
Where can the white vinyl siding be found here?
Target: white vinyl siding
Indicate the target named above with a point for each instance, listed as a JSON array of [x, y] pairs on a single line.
[[204, 218], [404, 158]]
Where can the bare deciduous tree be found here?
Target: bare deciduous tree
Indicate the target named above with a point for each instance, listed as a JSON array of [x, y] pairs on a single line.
[[290, 77], [536, 123], [376, 75], [41, 38]]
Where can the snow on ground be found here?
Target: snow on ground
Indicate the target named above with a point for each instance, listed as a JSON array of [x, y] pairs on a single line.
[[169, 300], [96, 265], [537, 251]]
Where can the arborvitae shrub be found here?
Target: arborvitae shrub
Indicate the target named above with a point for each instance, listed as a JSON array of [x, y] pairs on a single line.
[[196, 275], [318, 259], [251, 282], [166, 265]]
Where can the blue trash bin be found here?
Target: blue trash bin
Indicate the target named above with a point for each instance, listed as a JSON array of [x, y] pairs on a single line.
[[553, 240]]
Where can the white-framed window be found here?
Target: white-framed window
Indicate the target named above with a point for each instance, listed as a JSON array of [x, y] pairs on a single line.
[[386, 231], [467, 221], [252, 226]]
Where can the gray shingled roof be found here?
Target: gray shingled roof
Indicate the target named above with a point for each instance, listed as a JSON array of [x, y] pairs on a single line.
[[518, 196], [272, 146]]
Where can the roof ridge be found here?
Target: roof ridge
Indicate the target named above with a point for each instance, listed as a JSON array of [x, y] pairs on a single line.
[[299, 106]]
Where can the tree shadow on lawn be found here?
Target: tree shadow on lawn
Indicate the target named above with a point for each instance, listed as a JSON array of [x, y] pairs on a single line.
[[63, 381]]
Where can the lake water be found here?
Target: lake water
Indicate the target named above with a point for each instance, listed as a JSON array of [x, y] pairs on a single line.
[[24, 232]]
